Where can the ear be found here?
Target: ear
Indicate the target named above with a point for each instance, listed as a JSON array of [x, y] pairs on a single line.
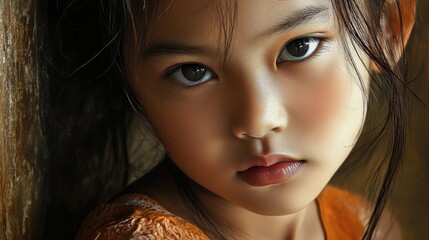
[[401, 20], [398, 25]]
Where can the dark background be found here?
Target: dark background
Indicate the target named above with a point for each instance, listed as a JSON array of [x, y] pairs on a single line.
[[410, 201]]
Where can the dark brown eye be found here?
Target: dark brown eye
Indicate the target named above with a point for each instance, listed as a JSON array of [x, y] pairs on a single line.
[[299, 49], [192, 74]]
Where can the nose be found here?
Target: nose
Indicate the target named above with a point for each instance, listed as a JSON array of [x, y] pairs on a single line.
[[259, 108]]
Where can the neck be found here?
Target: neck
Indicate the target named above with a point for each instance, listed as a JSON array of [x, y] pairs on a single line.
[[244, 224]]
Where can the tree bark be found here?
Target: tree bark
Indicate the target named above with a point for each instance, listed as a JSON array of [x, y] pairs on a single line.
[[22, 178]]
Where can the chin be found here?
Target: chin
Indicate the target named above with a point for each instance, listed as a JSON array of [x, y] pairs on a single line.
[[277, 204]]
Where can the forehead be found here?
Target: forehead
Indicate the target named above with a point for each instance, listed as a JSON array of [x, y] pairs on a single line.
[[190, 20]]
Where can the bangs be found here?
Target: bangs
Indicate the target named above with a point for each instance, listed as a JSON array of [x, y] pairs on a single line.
[[143, 15]]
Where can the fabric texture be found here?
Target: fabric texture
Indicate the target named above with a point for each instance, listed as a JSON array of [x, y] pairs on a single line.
[[137, 216], [341, 214]]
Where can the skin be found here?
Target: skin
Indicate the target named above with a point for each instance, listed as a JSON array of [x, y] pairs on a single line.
[[310, 110]]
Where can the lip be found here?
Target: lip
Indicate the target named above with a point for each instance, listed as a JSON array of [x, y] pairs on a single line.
[[261, 170]]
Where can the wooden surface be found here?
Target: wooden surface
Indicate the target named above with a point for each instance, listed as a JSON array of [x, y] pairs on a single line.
[[21, 179]]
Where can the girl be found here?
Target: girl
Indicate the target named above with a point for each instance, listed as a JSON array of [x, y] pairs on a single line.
[[257, 104]]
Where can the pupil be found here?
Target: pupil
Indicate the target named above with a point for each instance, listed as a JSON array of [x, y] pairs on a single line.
[[193, 72], [299, 47]]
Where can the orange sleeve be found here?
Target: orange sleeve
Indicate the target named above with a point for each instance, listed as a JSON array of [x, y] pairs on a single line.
[[140, 218], [340, 214]]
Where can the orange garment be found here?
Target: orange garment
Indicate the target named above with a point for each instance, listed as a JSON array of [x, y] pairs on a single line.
[[137, 216], [340, 213]]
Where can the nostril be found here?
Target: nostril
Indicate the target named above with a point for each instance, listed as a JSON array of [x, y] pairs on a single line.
[[245, 135], [256, 136], [245, 129], [278, 128], [241, 135], [261, 113]]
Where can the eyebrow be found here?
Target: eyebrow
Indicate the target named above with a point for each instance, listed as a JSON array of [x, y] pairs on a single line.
[[175, 48], [294, 20], [298, 18]]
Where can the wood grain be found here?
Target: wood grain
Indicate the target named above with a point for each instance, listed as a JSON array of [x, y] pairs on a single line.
[[21, 174]]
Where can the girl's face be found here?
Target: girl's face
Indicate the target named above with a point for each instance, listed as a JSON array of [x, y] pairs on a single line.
[[285, 92]]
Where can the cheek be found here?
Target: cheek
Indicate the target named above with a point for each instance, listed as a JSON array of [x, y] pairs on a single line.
[[193, 134], [328, 107], [187, 122]]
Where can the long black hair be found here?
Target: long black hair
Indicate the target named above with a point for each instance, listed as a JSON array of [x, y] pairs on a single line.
[[369, 24], [91, 105], [88, 113]]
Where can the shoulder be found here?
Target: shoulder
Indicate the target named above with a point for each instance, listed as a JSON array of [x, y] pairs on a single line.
[[136, 216], [345, 213], [340, 214]]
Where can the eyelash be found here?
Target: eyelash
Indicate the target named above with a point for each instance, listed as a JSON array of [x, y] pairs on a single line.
[[322, 46], [169, 72]]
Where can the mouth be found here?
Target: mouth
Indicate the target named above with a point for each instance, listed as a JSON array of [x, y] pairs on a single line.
[[268, 170]]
